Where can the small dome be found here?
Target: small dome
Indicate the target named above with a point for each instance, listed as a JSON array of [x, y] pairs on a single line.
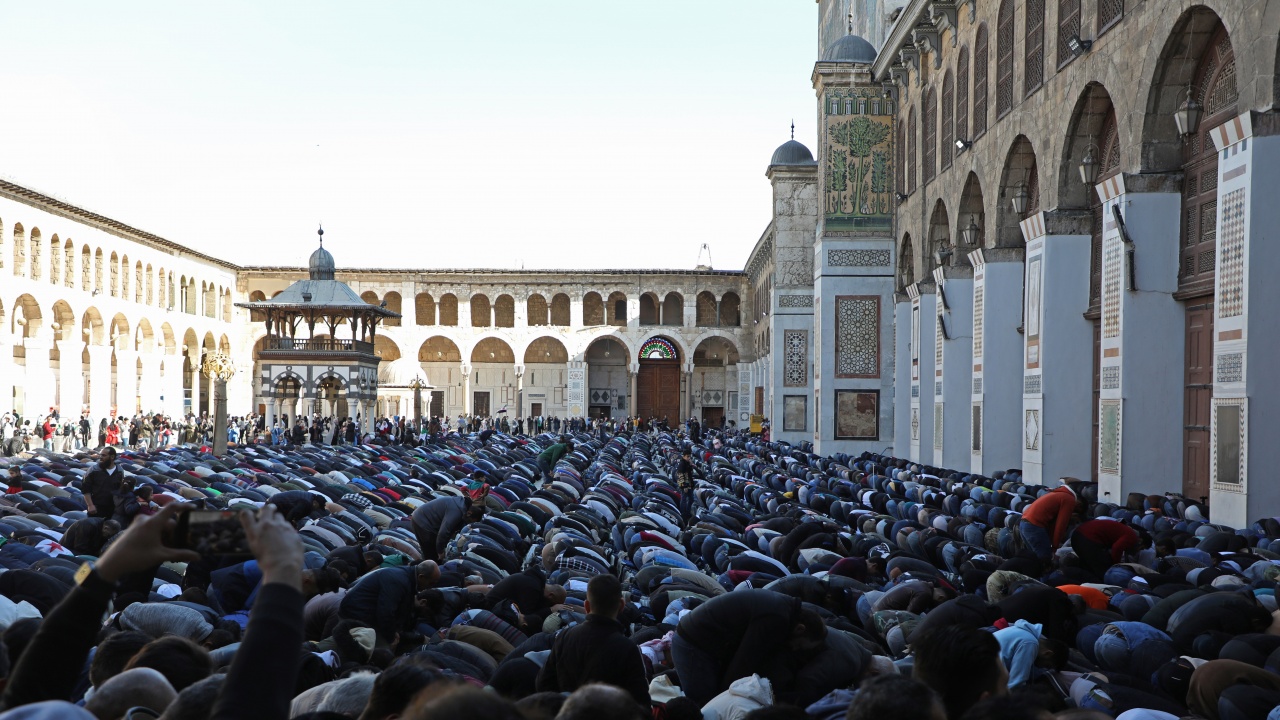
[[321, 265], [792, 153], [850, 49], [400, 372]]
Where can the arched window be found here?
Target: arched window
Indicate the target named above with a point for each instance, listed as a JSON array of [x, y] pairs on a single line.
[[911, 151], [899, 170], [449, 309], [1215, 89], [55, 260], [962, 95], [1033, 47], [1068, 27], [906, 264], [1004, 59], [560, 310], [393, 302], [592, 309], [536, 310], [69, 264], [481, 311], [730, 310], [424, 309], [707, 311], [980, 67], [948, 119], [929, 161]]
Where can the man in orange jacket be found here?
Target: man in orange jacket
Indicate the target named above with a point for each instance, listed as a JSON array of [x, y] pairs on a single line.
[[1045, 521]]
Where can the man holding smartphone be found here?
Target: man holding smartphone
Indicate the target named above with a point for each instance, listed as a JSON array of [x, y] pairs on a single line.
[[100, 485]]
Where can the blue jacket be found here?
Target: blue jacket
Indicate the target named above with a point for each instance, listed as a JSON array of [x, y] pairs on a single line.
[[1019, 648]]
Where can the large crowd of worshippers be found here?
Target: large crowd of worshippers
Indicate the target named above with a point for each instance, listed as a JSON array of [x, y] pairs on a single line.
[[618, 572]]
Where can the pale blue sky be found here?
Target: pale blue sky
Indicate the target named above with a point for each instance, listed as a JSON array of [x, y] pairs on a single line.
[[473, 133]]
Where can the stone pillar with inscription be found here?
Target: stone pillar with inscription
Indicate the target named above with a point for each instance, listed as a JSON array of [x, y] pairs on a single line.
[[1246, 338], [576, 395], [854, 307], [1140, 418], [952, 385], [923, 328], [1057, 358]]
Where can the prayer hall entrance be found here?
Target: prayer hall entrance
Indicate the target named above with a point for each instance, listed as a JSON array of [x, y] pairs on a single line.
[[658, 383]]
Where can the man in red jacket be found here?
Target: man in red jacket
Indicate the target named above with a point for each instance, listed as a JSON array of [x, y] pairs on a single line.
[[1102, 543], [1045, 521]]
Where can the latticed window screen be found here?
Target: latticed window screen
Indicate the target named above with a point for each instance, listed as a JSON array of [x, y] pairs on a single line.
[[1109, 13], [911, 151], [1068, 26], [930, 160], [1033, 46], [899, 148], [948, 120], [1033, 191], [962, 95], [980, 66], [1216, 86], [1004, 59]]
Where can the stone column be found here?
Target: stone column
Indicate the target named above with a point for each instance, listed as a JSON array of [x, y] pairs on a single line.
[[149, 385], [686, 388], [99, 385], [998, 326], [953, 371], [575, 311], [519, 392], [195, 385], [902, 382], [924, 324], [1057, 359], [576, 389], [633, 370], [8, 372], [172, 384], [38, 384], [1140, 419], [70, 378], [466, 389], [126, 383]]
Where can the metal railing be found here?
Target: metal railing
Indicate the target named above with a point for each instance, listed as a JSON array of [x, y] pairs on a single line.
[[323, 344]]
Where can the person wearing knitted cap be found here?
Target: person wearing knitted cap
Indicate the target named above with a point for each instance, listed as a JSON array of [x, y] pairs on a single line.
[[1044, 523]]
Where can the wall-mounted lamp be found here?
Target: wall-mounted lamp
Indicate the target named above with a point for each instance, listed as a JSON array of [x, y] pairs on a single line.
[[902, 197], [1089, 168], [972, 233], [962, 144], [1079, 47], [1019, 199], [1188, 114]]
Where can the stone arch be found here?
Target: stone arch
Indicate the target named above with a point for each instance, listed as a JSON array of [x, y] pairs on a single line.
[[167, 338], [386, 348], [224, 344], [492, 349], [86, 268], [906, 264], [36, 255], [27, 317], [546, 349], [1194, 41], [115, 275], [939, 234], [226, 305], [616, 308], [730, 310], [481, 311], [1019, 175], [592, 309], [126, 284], [1092, 127], [449, 310], [536, 310], [144, 338], [673, 309], [504, 311], [560, 310], [64, 321], [715, 351], [608, 347], [424, 309], [55, 260], [706, 310], [439, 348], [139, 282], [92, 328], [370, 297], [649, 312], [120, 336], [393, 302], [69, 264], [19, 251], [972, 208]]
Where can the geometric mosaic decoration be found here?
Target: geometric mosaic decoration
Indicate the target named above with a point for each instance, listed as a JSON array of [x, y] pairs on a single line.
[[1111, 377], [795, 346], [978, 311], [1231, 252], [1031, 385], [795, 301], [937, 388], [658, 348], [937, 344], [1109, 442], [1228, 430], [1111, 271], [858, 336], [977, 385], [915, 390], [915, 423], [1230, 368], [858, 258], [937, 426], [1031, 431]]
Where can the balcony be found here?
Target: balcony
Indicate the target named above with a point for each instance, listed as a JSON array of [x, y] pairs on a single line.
[[326, 345]]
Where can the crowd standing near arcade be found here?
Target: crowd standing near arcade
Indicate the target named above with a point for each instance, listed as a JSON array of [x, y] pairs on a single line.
[[626, 570]]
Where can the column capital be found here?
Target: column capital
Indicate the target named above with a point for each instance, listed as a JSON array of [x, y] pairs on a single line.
[[634, 368]]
